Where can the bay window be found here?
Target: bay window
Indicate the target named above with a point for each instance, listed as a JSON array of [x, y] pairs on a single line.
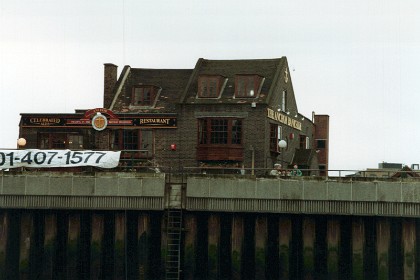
[[220, 139]]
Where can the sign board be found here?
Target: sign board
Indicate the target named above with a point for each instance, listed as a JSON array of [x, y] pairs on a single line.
[[284, 119], [99, 122], [100, 119], [57, 158]]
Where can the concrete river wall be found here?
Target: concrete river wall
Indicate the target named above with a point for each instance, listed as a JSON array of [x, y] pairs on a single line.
[[115, 226]]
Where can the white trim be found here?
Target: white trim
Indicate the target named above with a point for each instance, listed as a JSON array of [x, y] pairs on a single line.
[[124, 78]]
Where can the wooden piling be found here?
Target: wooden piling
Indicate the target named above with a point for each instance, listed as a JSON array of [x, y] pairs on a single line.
[[237, 243]]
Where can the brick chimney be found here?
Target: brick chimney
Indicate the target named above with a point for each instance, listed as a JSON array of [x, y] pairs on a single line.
[[110, 79], [322, 139]]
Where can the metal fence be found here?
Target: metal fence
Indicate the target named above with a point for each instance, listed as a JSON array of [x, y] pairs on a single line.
[[143, 162]]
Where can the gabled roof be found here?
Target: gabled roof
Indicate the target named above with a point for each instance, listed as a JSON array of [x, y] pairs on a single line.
[[269, 69]]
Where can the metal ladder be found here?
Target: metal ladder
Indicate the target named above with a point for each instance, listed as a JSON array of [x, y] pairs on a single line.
[[173, 245], [175, 189]]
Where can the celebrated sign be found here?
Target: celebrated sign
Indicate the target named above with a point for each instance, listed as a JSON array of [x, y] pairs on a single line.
[[45, 121], [57, 158]]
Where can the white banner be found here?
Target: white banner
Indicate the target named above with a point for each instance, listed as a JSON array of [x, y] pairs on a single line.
[[57, 158]]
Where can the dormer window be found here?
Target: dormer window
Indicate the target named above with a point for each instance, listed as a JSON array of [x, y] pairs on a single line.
[[247, 86], [210, 86], [144, 95]]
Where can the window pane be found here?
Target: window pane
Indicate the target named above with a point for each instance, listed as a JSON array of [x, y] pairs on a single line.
[[283, 101], [208, 87], [273, 137], [236, 131], [320, 144], [137, 96], [202, 131], [130, 139], [279, 133], [219, 131], [250, 87], [212, 88], [246, 86], [143, 96], [44, 141], [75, 141], [147, 96], [58, 141], [302, 141], [147, 142], [241, 87], [115, 140], [203, 87]]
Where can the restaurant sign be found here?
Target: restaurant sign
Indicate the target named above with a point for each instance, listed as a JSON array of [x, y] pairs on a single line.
[[156, 122], [100, 119]]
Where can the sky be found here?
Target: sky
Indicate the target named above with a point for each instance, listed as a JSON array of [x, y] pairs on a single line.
[[356, 61]]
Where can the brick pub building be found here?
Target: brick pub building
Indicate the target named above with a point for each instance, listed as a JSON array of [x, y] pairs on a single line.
[[221, 114]]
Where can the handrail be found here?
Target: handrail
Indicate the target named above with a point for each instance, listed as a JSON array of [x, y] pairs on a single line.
[[142, 161], [330, 173]]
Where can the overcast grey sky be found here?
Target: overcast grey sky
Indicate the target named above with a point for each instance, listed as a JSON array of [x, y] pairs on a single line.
[[356, 61]]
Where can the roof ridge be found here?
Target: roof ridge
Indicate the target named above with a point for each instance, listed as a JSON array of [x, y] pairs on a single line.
[[246, 59]]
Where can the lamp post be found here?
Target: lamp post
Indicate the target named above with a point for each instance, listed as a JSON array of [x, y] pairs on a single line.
[[282, 145], [251, 148]]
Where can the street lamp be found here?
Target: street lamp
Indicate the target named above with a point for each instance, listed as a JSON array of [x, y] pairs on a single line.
[[21, 142], [282, 145]]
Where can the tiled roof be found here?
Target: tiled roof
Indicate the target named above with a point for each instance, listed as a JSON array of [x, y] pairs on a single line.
[[181, 85]]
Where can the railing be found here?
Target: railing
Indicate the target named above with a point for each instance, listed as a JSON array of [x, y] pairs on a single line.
[[133, 160], [343, 174], [142, 161], [258, 172]]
